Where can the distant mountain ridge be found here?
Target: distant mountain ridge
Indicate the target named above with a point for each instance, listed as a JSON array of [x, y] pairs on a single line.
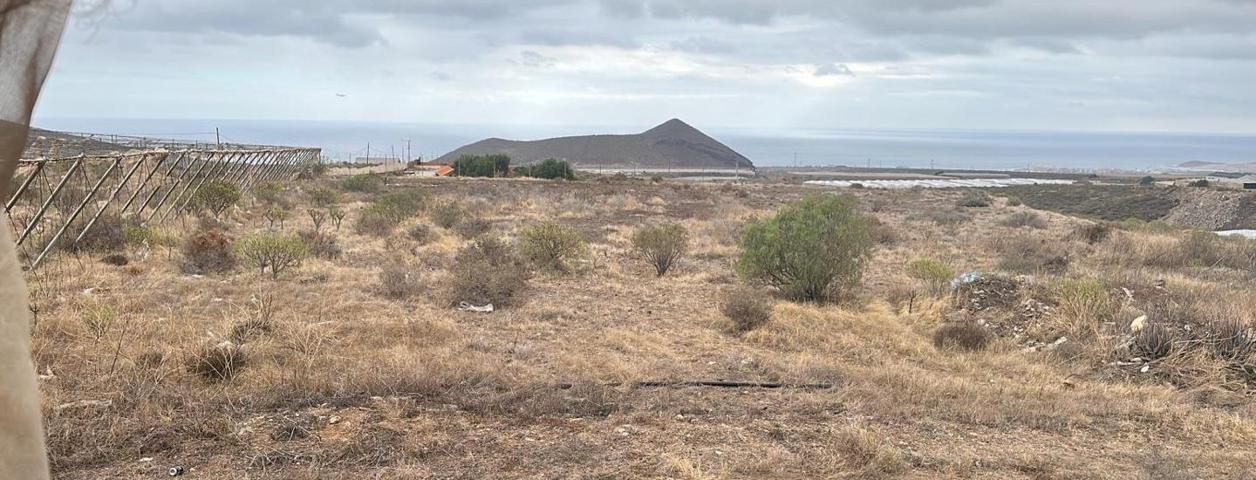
[[673, 144]]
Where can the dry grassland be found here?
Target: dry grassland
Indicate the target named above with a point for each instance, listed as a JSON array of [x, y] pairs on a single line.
[[335, 379]]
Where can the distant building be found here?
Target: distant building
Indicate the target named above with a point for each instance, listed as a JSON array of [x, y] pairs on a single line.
[[370, 160], [1245, 182], [432, 170]]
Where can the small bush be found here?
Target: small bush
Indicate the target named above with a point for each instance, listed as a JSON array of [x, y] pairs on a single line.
[[661, 245], [218, 363], [208, 252], [420, 233], [320, 245], [271, 251], [1092, 233], [268, 193], [337, 216], [975, 199], [1147, 180], [747, 308], [323, 196], [882, 232], [1201, 183], [1154, 341], [399, 282], [551, 246], [116, 259], [961, 336], [1014, 201], [487, 271], [1086, 298], [375, 220], [935, 274], [810, 250], [215, 196], [403, 204], [363, 183], [448, 215], [1026, 254], [108, 234], [259, 323], [1024, 219], [472, 227], [276, 214], [317, 217]]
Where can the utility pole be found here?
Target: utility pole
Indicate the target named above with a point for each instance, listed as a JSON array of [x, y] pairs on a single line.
[[409, 156], [217, 137], [368, 152]]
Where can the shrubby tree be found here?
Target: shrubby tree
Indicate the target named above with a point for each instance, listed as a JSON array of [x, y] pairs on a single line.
[[216, 196], [810, 250]]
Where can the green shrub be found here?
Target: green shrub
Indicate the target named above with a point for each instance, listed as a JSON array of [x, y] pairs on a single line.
[[1147, 180], [487, 271], [1086, 298], [661, 245], [447, 215], [934, 273], [1014, 201], [276, 214], [551, 246], [269, 193], [810, 250], [961, 336], [363, 183], [272, 251], [482, 166], [375, 220], [323, 196], [1201, 183], [337, 215], [975, 199], [402, 204], [208, 251], [215, 196], [747, 308]]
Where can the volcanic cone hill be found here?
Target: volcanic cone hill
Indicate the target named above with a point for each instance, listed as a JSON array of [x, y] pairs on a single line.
[[674, 144]]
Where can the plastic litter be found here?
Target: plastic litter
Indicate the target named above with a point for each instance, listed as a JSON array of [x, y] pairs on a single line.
[[467, 307]]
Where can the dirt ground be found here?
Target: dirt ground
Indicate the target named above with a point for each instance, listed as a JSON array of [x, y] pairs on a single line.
[[351, 384]]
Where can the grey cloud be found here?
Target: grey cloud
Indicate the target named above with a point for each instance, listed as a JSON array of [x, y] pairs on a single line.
[[834, 69]]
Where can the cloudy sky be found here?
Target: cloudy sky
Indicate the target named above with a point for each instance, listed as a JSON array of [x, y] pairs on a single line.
[[1127, 65]]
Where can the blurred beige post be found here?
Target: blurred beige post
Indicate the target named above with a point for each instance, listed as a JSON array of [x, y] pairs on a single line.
[[29, 33]]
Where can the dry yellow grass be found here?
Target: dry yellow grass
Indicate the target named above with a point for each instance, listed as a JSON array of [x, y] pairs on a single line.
[[349, 384]]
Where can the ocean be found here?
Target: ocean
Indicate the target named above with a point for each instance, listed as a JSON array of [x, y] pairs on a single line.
[[916, 148]]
